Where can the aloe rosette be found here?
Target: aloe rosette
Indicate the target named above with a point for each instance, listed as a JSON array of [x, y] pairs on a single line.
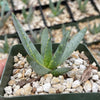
[[45, 61]]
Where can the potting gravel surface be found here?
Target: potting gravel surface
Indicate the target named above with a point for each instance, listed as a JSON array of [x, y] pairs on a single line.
[[82, 78]]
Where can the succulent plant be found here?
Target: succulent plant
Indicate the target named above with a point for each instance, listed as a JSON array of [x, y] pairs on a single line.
[[47, 62], [28, 16], [4, 8], [82, 5], [6, 46], [95, 29], [55, 10]]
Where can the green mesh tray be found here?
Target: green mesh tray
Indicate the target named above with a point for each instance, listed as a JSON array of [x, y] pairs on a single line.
[[72, 96]]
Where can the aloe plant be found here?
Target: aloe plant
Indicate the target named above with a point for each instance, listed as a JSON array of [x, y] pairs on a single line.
[[4, 7], [47, 62], [95, 29], [55, 10], [28, 16], [82, 5], [6, 46]]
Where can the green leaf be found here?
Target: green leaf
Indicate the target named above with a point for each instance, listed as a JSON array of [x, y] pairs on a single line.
[[6, 45], [58, 53], [4, 19], [48, 53], [44, 40], [40, 70], [51, 5], [24, 13], [72, 45], [30, 15], [60, 11], [28, 45], [58, 5], [60, 71]]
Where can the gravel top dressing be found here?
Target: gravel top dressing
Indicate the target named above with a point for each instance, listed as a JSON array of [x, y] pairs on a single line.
[[82, 78]]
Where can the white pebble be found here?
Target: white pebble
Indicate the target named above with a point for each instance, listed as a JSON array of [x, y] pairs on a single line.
[[28, 72], [76, 84], [87, 86], [82, 67], [68, 83], [39, 89], [46, 87], [78, 61], [95, 77], [95, 87], [8, 90]]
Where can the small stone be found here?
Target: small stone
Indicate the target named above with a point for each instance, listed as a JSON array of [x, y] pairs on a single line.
[[8, 90], [28, 72], [15, 88], [75, 84], [55, 80], [82, 67], [46, 87], [35, 84], [68, 83], [19, 92], [94, 71], [11, 82], [52, 90], [15, 71], [40, 89], [98, 82], [95, 87], [16, 59], [79, 89], [27, 89], [87, 86], [78, 61], [95, 77]]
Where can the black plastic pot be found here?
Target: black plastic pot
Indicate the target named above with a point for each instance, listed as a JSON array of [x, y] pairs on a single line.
[[72, 96]]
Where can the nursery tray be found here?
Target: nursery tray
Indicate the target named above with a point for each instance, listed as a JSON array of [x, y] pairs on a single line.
[[70, 96]]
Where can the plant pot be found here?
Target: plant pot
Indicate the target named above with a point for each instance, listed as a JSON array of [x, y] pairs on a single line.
[[72, 96]]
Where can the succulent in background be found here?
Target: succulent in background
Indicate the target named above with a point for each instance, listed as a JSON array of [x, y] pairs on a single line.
[[45, 61], [28, 16], [56, 11], [82, 5], [4, 8], [26, 1], [6, 46], [95, 29]]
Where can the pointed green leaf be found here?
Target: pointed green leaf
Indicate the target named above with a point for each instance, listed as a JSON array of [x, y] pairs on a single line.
[[4, 19], [51, 5], [48, 53], [57, 55], [24, 13], [30, 14], [40, 70], [44, 40], [6, 45], [28, 45], [60, 71], [72, 45], [58, 5]]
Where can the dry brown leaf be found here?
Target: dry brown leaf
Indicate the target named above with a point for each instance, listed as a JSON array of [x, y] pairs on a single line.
[[86, 74]]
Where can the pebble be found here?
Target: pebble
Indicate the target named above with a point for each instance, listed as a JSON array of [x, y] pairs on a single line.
[[52, 90], [68, 83], [75, 84], [95, 87], [55, 80], [8, 90], [95, 77], [46, 87], [87, 86]]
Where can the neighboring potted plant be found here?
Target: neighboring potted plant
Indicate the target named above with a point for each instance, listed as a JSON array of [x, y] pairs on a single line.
[[44, 64]]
